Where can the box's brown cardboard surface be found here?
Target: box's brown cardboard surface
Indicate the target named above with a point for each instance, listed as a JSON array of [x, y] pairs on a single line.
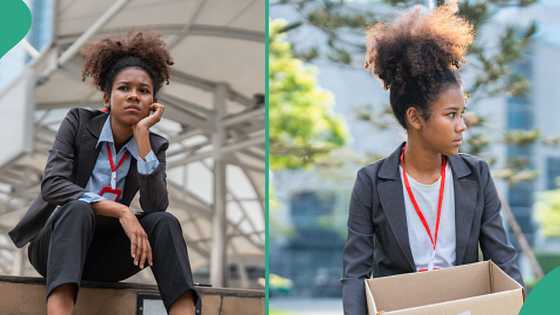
[[475, 289]]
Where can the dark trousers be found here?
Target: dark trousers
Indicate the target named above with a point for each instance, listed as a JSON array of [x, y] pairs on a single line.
[[75, 244]]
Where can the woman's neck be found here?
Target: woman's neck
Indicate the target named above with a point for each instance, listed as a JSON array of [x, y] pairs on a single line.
[[422, 164], [121, 133]]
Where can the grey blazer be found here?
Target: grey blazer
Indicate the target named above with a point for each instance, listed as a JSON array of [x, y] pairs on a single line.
[[69, 166], [378, 244]]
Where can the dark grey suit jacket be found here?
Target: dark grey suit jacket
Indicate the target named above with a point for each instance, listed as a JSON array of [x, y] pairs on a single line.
[[378, 244], [70, 164]]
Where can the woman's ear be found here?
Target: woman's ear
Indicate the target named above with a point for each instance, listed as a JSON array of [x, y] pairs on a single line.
[[413, 118], [107, 100]]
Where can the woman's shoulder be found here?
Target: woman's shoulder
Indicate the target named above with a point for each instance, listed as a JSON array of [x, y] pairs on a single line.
[[82, 113], [473, 161], [371, 170], [476, 165]]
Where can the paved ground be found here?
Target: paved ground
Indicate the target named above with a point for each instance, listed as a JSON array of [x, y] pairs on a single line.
[[306, 306]]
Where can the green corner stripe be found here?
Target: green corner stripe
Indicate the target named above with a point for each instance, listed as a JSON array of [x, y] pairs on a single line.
[[15, 20], [543, 299]]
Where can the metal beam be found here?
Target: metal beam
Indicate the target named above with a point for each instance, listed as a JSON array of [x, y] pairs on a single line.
[[179, 195], [188, 149], [219, 240], [188, 25], [224, 150], [248, 115], [245, 166], [185, 135], [217, 31], [244, 215], [192, 80], [177, 113], [30, 49], [87, 35], [228, 33], [209, 86], [197, 110]]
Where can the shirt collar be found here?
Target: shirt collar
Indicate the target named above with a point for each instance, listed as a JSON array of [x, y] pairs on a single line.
[[106, 135]]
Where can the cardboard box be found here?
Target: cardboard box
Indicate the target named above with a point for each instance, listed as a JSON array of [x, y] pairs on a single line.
[[475, 289]]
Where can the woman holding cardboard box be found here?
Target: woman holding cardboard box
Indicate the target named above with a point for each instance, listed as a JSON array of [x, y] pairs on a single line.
[[425, 206]]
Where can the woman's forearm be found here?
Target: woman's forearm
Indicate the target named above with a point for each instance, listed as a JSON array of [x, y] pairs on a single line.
[[142, 138], [110, 208]]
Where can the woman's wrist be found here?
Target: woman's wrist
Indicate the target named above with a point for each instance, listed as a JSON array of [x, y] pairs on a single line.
[[110, 208], [139, 130], [141, 136], [124, 211]]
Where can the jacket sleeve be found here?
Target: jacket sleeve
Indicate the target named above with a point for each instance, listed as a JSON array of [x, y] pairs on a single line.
[[358, 250], [493, 238], [57, 186], [153, 186]]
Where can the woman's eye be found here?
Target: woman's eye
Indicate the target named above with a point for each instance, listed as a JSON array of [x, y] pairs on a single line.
[[452, 115], [123, 88]]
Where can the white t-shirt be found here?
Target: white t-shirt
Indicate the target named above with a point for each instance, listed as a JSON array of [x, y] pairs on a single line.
[[427, 197]]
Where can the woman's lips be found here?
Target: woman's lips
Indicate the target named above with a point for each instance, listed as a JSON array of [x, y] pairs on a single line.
[[132, 109]]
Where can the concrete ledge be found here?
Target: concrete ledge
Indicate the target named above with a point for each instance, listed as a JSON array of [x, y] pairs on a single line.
[[26, 296]]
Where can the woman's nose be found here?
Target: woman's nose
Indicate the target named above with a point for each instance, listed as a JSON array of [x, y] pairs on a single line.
[[132, 94], [461, 125]]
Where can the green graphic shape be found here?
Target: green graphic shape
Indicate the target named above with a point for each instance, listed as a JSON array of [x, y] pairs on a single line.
[[15, 21], [544, 297]]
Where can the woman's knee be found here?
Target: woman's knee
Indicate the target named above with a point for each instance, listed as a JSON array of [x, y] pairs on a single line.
[[76, 212], [161, 220]]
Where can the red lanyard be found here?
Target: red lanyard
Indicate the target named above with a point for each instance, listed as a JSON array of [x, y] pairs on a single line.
[[433, 239], [113, 188], [110, 158]]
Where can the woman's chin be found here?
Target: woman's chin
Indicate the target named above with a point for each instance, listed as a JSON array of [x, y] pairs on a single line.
[[130, 120], [453, 151]]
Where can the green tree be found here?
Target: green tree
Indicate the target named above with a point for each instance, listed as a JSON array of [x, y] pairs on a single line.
[[303, 129], [548, 212]]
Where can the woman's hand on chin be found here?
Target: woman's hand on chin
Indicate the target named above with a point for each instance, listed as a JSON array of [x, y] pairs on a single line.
[[156, 111]]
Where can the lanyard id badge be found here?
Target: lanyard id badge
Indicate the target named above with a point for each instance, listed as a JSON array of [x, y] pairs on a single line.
[[113, 188], [434, 238]]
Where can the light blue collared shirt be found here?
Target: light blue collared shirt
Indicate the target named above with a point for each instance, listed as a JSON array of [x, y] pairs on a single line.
[[101, 175]]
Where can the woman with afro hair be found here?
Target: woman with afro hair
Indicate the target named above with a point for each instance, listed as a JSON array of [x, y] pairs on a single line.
[[425, 206], [81, 227]]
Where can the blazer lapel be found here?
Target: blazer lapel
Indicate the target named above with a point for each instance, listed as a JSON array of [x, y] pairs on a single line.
[[87, 148], [390, 193], [466, 195], [131, 183]]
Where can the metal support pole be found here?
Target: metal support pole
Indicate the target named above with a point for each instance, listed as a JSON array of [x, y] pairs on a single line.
[[19, 263], [218, 253]]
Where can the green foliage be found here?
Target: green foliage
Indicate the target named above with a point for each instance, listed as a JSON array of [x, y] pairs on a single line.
[[548, 212], [303, 129]]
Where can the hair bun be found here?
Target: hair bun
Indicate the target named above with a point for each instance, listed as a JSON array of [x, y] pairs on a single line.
[[419, 45]]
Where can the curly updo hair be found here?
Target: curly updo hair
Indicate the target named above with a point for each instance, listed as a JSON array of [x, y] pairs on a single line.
[[417, 56], [105, 58]]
